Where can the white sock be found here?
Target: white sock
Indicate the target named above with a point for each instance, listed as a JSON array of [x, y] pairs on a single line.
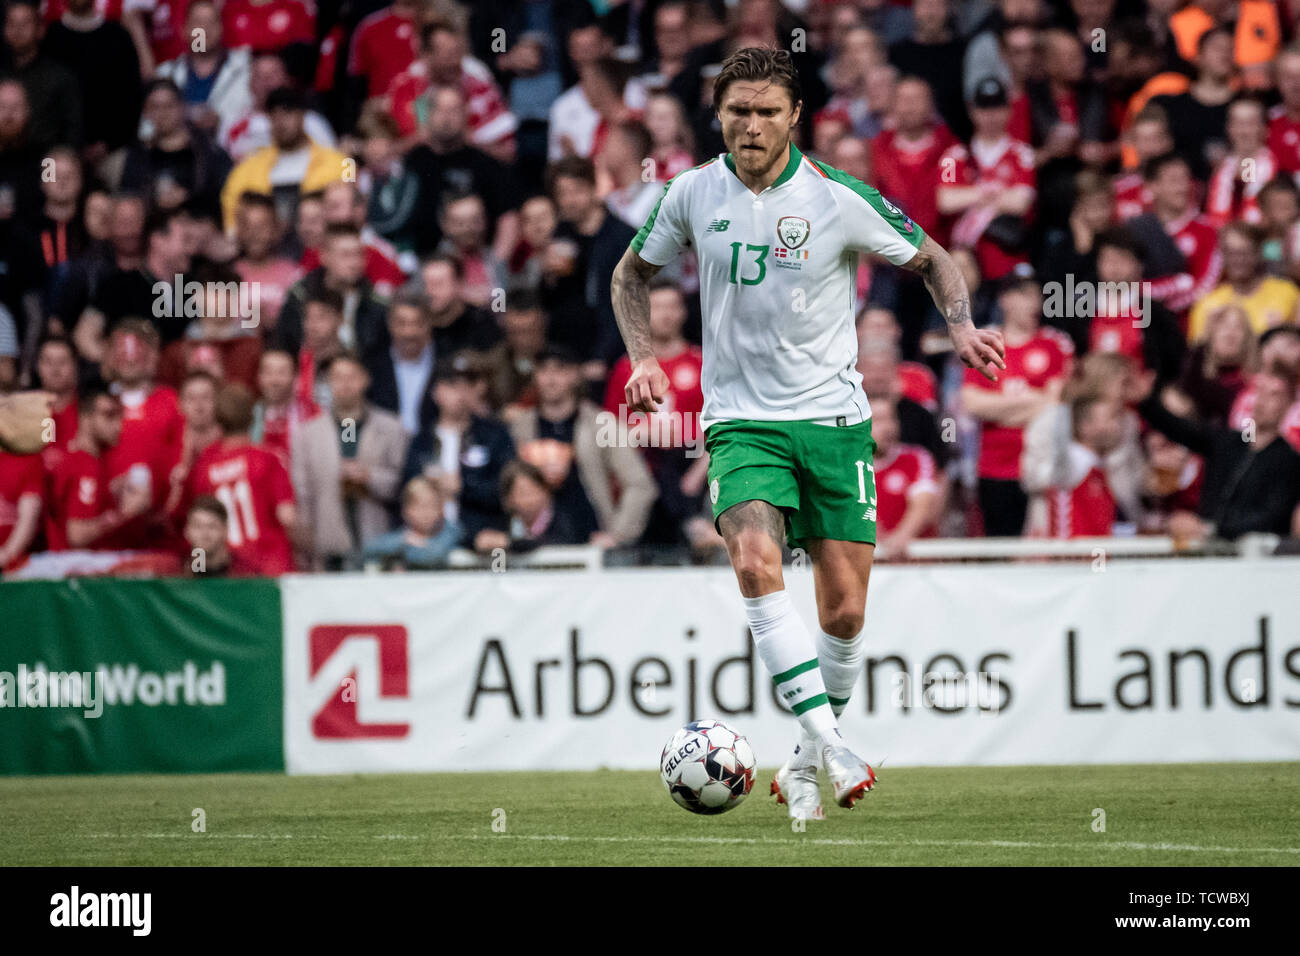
[[840, 664], [789, 655]]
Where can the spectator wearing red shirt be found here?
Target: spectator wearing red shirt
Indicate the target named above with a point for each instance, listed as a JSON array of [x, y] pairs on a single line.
[[444, 59], [56, 371], [151, 417], [1150, 137], [1284, 118], [670, 437], [21, 495], [1233, 190], [1083, 504], [251, 482], [906, 157], [258, 232], [1123, 320], [384, 44], [992, 180], [1279, 349], [669, 133], [223, 340], [198, 400], [345, 206], [281, 408], [207, 532], [1183, 261], [908, 493], [1038, 360], [82, 511], [268, 25]]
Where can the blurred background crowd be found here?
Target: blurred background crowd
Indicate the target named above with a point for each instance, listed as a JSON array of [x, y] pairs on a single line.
[[321, 286]]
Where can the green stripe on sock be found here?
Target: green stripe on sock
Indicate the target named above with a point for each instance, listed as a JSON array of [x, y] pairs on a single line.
[[809, 704], [795, 671], [837, 701]]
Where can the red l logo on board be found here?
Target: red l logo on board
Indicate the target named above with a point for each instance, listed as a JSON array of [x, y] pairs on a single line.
[[337, 717]]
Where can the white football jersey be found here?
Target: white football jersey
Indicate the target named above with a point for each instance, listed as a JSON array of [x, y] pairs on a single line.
[[778, 283]]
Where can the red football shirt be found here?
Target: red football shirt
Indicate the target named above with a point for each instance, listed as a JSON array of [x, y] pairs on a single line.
[[20, 475], [1198, 241], [77, 490], [678, 416], [1284, 139], [1233, 189], [488, 115], [1005, 164], [1118, 332], [268, 26], [65, 424], [251, 482], [917, 382], [152, 426], [906, 471], [1088, 508], [383, 46], [1132, 198], [54, 10], [909, 174], [1021, 124], [1243, 408], [382, 269], [1046, 356], [278, 423]]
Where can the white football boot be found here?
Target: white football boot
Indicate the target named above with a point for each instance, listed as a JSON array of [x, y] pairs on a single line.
[[798, 789], [851, 777]]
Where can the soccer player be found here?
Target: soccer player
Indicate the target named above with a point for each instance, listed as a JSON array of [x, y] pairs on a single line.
[[787, 425]]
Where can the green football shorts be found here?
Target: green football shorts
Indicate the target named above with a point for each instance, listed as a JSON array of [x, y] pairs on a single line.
[[820, 476]]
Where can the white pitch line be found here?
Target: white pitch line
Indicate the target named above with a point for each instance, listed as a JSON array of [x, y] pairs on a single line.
[[796, 841], [724, 841]]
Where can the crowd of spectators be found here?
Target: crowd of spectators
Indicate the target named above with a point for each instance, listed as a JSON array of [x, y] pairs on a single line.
[[324, 286]]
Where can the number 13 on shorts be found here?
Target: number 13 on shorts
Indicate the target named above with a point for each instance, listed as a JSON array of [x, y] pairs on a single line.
[[864, 467]]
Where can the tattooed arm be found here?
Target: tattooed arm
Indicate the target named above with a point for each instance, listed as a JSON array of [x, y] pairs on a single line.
[[980, 349], [630, 292]]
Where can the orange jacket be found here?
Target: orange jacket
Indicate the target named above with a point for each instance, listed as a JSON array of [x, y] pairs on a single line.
[[1258, 37]]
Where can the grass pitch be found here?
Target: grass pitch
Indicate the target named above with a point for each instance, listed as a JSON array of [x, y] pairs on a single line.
[[1176, 814]]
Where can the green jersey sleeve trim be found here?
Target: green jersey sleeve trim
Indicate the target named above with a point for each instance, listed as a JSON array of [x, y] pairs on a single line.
[[898, 220]]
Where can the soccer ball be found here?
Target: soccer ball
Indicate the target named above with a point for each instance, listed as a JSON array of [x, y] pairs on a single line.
[[707, 767]]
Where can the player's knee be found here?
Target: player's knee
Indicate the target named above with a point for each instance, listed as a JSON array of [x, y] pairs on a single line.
[[757, 562], [843, 620]]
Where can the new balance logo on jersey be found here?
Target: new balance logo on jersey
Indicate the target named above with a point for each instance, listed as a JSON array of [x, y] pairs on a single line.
[[870, 515], [718, 225]]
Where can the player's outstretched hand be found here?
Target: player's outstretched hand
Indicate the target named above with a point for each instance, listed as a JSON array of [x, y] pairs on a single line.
[[22, 421], [647, 386], [980, 349]]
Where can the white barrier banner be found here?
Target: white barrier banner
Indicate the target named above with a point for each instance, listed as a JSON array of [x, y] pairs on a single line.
[[1119, 662]]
